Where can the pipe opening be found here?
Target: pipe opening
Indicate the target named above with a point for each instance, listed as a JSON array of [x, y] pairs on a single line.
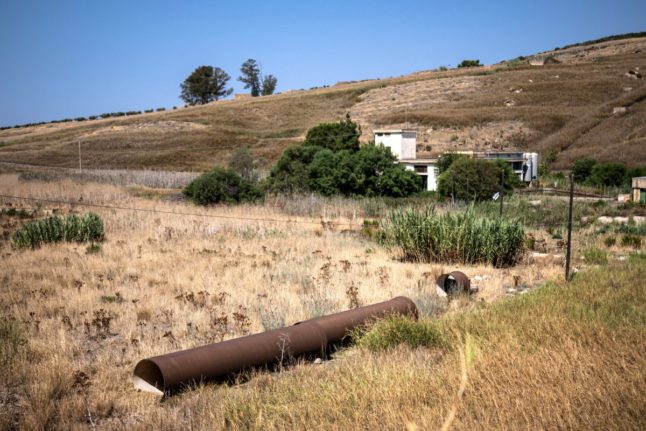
[[148, 377]]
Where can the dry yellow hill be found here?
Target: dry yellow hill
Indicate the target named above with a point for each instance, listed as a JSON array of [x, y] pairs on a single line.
[[558, 102]]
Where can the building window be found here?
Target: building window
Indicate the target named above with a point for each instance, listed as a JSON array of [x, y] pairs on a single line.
[[421, 169]]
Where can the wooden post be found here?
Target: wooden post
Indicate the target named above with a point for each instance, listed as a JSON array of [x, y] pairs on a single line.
[[569, 231], [502, 189]]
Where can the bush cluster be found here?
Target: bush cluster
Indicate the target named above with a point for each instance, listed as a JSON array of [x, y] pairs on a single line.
[[470, 63], [331, 162], [461, 237], [90, 117], [221, 185], [469, 179], [87, 227], [611, 174], [370, 171]]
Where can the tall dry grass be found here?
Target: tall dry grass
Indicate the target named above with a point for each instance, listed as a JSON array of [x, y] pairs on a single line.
[[74, 325]]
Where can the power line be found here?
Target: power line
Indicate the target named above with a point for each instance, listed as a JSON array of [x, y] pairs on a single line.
[[148, 210], [219, 216]]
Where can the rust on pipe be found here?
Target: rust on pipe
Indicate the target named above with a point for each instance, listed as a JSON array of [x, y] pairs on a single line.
[[163, 374], [454, 282]]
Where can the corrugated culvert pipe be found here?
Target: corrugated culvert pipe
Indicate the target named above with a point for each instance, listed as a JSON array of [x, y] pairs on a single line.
[[165, 373]]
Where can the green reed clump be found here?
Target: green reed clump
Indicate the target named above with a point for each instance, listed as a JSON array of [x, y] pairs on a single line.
[[462, 237], [86, 227]]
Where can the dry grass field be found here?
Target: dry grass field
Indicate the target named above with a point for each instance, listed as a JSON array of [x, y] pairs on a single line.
[[75, 322], [565, 108]]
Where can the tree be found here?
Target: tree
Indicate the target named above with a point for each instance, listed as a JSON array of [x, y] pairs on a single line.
[[446, 160], [204, 85], [251, 76], [612, 174], [470, 179], [343, 135], [269, 85], [253, 79], [582, 169], [291, 172], [242, 163], [470, 63]]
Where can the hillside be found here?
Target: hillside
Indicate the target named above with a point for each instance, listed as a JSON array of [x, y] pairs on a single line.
[[558, 102]]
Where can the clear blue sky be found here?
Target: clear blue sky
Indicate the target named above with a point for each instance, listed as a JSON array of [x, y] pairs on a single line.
[[77, 58]]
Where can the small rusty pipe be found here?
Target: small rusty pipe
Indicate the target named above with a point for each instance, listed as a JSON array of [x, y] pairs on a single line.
[[161, 374], [454, 282]]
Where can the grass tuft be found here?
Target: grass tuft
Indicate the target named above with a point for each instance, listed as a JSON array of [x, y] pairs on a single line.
[[395, 330], [88, 227], [463, 237]]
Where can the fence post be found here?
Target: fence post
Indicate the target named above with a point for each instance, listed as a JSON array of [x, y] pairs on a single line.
[[502, 189], [569, 231]]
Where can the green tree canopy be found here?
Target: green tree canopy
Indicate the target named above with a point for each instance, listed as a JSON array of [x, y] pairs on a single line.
[[291, 172], [243, 163], [370, 171], [250, 76], [269, 85], [582, 169], [343, 135], [470, 63], [472, 179], [446, 160], [204, 85], [612, 174]]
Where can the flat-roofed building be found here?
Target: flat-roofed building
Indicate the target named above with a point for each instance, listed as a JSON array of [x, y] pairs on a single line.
[[639, 189], [402, 142]]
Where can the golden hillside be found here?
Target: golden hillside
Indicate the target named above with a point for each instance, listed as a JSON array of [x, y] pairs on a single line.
[[558, 102]]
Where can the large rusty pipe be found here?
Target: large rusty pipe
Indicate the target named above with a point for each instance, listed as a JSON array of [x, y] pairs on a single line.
[[165, 373]]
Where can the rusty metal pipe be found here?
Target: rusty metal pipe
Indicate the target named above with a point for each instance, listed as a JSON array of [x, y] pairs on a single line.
[[162, 374]]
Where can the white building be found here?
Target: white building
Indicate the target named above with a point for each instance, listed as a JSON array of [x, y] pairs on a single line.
[[525, 165], [403, 144]]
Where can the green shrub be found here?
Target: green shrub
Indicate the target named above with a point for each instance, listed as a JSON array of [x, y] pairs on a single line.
[[461, 237], [582, 169], [610, 241], [87, 227], [611, 174], [395, 330], [371, 171], [343, 135], [475, 179], [445, 161], [220, 186], [595, 256], [470, 63], [633, 241], [632, 229]]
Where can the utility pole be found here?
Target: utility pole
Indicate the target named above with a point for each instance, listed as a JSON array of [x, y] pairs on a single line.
[[569, 231], [502, 189], [80, 168]]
